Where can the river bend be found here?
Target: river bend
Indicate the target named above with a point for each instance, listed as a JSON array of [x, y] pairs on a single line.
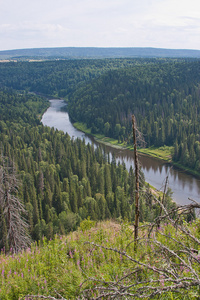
[[183, 185]]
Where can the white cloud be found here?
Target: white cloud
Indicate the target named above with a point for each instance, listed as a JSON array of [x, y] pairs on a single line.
[[133, 23]]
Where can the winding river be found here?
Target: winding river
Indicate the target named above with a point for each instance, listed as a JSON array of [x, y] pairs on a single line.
[[183, 185]]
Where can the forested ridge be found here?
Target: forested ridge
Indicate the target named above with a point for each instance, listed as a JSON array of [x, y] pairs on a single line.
[[63, 181], [165, 98], [57, 78], [59, 184], [94, 52], [104, 93]]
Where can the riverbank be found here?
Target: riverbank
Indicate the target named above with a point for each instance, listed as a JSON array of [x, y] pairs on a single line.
[[162, 153], [183, 184]]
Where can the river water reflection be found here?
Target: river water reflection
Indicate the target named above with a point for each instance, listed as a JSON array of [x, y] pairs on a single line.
[[183, 185]]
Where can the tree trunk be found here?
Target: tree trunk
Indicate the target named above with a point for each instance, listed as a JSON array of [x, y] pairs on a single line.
[[137, 181]]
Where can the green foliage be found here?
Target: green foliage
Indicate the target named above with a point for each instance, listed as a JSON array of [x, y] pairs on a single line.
[[163, 94], [164, 152], [63, 264], [20, 108], [87, 224], [73, 267], [58, 78], [164, 97], [63, 181]]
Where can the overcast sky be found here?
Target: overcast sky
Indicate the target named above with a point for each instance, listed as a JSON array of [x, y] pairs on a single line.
[[171, 24]]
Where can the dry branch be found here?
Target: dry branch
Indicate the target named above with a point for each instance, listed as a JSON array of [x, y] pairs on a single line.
[[175, 270], [137, 213], [13, 210]]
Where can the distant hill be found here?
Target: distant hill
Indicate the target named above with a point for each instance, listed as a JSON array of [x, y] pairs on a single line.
[[73, 52]]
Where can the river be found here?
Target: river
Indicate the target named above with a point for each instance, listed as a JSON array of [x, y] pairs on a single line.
[[183, 185]]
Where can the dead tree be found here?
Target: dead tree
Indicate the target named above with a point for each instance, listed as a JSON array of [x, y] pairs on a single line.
[[163, 199], [172, 265], [137, 181], [13, 213]]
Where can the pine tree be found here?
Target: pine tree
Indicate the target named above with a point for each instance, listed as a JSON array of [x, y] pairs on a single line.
[[108, 182]]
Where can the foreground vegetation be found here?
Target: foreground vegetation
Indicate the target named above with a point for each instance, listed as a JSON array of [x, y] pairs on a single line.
[[62, 183], [100, 260]]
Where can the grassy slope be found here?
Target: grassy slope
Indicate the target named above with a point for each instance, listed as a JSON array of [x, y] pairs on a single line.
[[64, 264]]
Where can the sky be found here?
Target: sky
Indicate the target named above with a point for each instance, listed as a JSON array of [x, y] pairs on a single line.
[[172, 24]]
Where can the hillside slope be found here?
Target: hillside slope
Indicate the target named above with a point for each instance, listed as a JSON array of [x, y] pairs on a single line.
[[89, 52], [99, 261]]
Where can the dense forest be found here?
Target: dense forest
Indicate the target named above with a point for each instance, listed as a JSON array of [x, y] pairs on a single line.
[[58, 78], [51, 184], [104, 93], [63, 181], [165, 98]]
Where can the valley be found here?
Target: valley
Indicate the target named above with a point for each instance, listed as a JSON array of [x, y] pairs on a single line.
[[68, 201]]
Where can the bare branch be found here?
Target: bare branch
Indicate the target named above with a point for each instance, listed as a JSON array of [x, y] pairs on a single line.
[[176, 259], [13, 210]]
